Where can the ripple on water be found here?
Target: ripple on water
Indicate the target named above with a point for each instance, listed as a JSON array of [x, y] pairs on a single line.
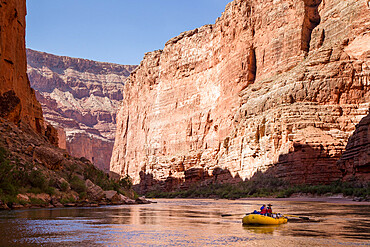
[[186, 223]]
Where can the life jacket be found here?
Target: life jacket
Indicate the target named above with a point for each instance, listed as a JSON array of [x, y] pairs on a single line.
[[263, 211], [269, 210]]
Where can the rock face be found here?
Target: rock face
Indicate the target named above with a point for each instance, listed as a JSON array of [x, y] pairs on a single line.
[[276, 86], [17, 99], [356, 159], [28, 155], [81, 97]]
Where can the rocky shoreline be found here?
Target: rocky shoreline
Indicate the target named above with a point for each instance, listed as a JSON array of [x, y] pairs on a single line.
[[36, 174], [27, 201]]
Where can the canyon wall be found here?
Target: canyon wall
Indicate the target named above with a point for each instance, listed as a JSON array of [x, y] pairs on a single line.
[[276, 86], [80, 96], [30, 161], [356, 159], [17, 99]]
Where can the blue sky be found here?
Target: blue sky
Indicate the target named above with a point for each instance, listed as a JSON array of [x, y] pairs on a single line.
[[117, 31]]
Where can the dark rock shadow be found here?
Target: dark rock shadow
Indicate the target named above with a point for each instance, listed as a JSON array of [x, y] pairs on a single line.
[[355, 161], [307, 164], [193, 176]]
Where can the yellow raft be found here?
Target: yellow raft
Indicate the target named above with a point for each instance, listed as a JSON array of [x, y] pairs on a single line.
[[258, 219]]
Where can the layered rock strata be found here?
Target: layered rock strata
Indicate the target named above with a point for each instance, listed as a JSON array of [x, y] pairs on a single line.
[[80, 96], [17, 99], [356, 159], [276, 86]]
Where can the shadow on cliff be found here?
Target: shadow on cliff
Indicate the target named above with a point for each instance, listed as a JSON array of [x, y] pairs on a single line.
[[192, 176], [355, 161], [305, 164]]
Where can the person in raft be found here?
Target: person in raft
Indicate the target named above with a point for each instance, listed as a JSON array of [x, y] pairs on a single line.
[[269, 210], [263, 210]]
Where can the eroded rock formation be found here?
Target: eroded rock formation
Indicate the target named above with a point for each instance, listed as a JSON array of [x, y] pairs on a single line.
[[275, 86], [356, 159], [82, 97], [17, 99]]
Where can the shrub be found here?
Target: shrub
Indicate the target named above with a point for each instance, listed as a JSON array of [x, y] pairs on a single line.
[[78, 185], [35, 190], [37, 179], [3, 154], [64, 186], [126, 182], [36, 201], [97, 176], [67, 200], [50, 190], [7, 183], [82, 195], [8, 199]]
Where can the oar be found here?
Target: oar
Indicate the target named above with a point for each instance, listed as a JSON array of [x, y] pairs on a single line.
[[301, 217], [226, 215]]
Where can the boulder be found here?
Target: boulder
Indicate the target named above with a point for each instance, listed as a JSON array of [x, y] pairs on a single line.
[[17, 206], [94, 192], [58, 205], [43, 196], [3, 206], [24, 198], [61, 183], [48, 157], [112, 195], [126, 200], [142, 200]]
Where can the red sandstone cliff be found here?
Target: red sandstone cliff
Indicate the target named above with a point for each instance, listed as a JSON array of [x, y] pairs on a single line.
[[82, 97], [275, 85], [17, 99], [26, 155], [356, 159]]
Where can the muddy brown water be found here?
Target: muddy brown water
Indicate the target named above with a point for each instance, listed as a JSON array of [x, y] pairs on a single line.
[[188, 222]]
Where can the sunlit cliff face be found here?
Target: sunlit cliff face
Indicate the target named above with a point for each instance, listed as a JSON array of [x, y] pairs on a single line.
[[275, 86], [82, 97], [17, 100]]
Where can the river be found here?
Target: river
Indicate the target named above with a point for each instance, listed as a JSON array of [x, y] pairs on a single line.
[[188, 222]]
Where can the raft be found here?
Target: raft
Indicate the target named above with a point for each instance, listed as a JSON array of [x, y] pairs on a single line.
[[258, 219]]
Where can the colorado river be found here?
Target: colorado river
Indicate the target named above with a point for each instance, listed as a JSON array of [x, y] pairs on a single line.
[[187, 222]]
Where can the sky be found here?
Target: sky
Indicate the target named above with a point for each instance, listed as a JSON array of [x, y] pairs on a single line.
[[116, 31]]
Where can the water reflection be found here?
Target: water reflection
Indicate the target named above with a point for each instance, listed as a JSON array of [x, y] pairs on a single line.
[[187, 223], [262, 229]]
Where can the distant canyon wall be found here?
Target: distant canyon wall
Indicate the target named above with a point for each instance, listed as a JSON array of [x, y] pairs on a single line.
[[276, 86], [81, 97], [17, 99]]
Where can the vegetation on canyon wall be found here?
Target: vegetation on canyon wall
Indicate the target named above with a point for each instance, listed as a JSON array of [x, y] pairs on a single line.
[[65, 186], [267, 186]]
